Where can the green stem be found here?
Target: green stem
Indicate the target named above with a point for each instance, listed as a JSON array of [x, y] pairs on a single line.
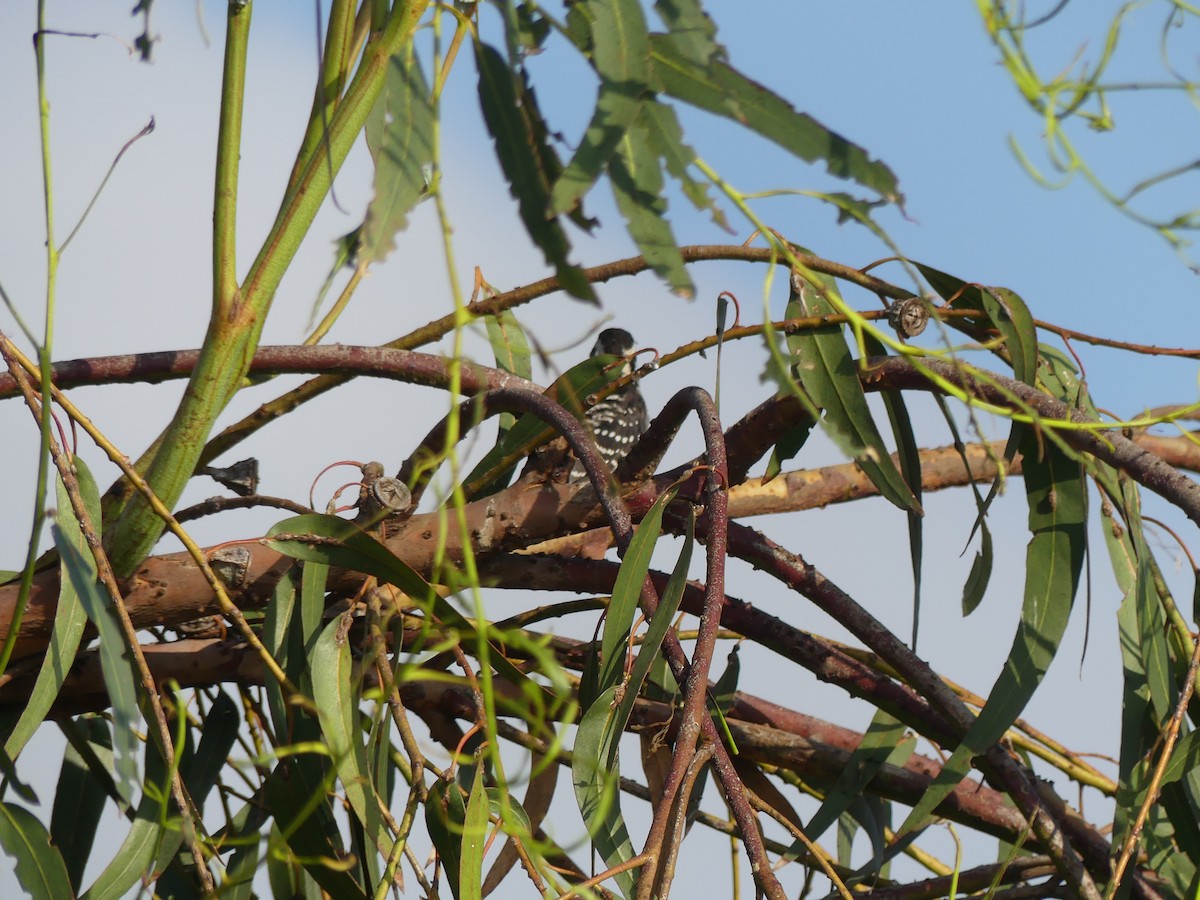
[[233, 335], [44, 351], [229, 145], [335, 63]]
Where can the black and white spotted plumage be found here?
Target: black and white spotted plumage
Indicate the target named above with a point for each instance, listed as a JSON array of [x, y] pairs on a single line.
[[619, 419]]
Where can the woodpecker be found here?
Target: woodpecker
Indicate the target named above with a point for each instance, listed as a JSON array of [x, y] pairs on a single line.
[[617, 421]]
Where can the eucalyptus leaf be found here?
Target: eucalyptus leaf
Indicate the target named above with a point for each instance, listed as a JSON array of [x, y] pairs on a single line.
[[39, 866]]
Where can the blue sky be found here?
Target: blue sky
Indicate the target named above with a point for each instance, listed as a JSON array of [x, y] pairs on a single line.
[[917, 84]]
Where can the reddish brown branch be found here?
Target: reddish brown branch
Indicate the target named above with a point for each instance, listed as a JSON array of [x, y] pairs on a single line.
[[1109, 446], [764, 731]]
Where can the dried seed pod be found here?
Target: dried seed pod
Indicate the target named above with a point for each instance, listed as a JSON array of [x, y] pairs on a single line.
[[241, 477], [231, 565], [908, 317], [391, 493]]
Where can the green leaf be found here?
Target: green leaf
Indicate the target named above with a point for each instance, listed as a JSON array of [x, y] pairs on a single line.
[[343, 544], [829, 374], [445, 817], [663, 132], [40, 867], [627, 591], [400, 137], [789, 444], [115, 666], [1005, 312], [909, 454], [1057, 497], [1185, 758], [509, 344], [648, 653], [692, 31], [884, 743], [475, 829], [238, 883], [134, 859], [70, 618], [79, 801], [345, 250], [277, 632], [637, 184], [296, 794], [981, 573], [221, 726], [720, 701], [511, 349], [597, 786], [620, 55], [336, 692], [525, 26], [523, 163], [720, 89]]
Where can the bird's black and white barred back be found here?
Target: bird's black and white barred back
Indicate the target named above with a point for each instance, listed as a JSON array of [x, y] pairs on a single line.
[[617, 421]]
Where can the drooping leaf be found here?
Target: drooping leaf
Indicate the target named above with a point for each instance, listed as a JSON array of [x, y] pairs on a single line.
[[649, 652], [828, 373], [874, 815], [980, 574], [523, 167], [343, 544], [200, 769], [336, 692], [597, 782], [445, 817], [79, 801], [475, 827], [665, 135], [313, 578], [720, 89], [509, 344], [296, 795], [1185, 758], [134, 859], [221, 724], [1056, 493], [511, 350], [1147, 688], [909, 454], [883, 743], [789, 444], [1005, 313], [620, 55], [345, 251], [694, 34], [115, 665], [70, 618], [243, 863], [39, 865], [627, 591], [399, 134], [528, 816], [277, 632], [525, 27], [637, 183]]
